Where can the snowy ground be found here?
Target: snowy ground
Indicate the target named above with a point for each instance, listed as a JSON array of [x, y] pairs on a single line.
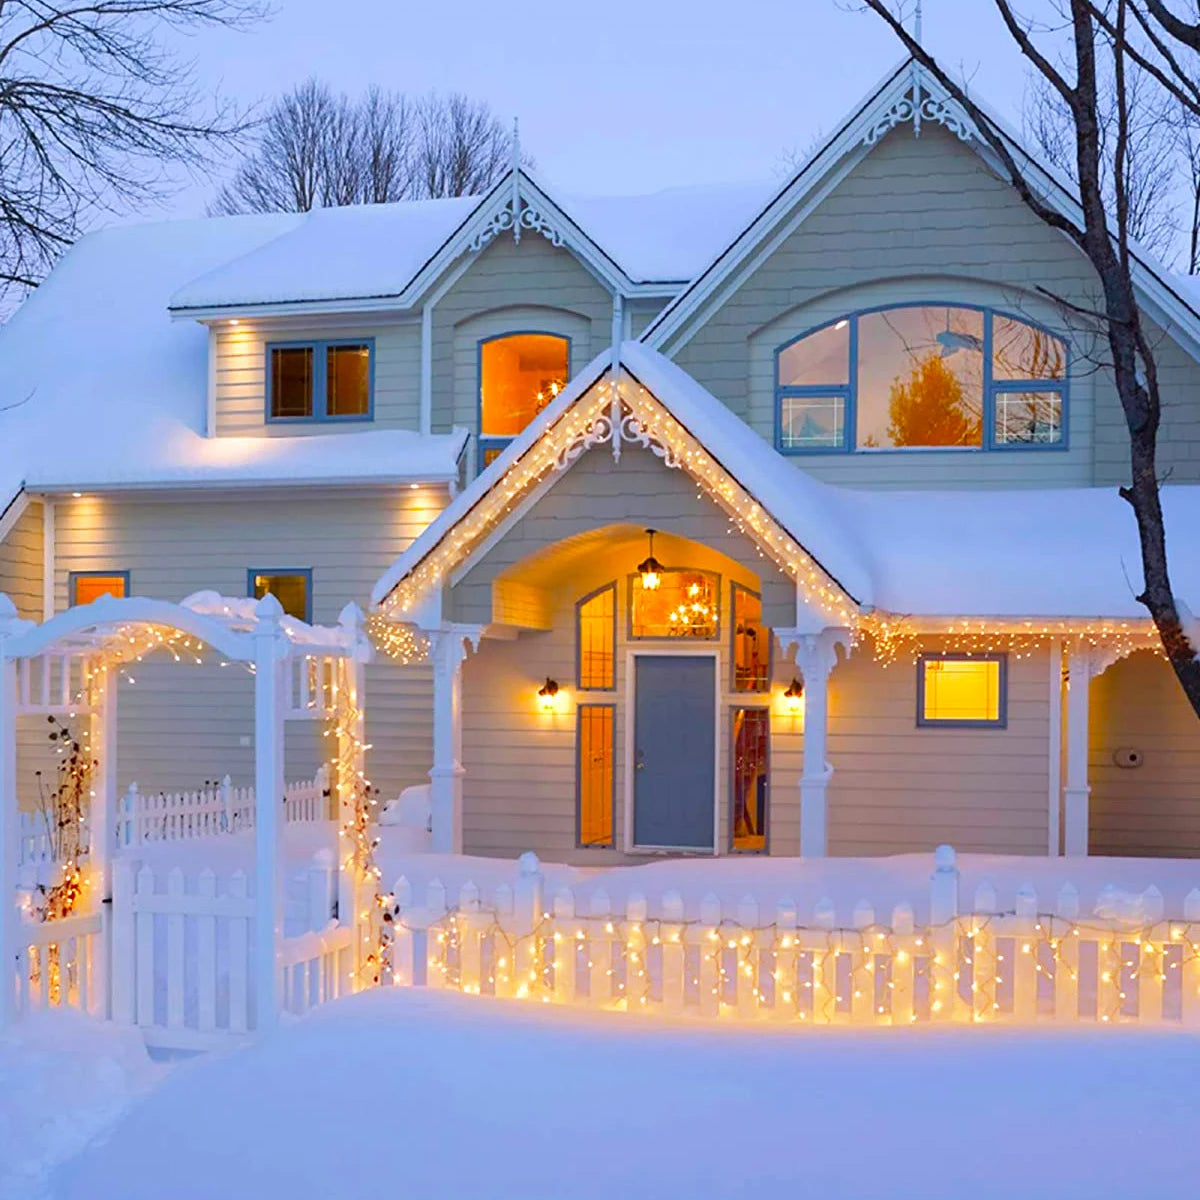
[[441, 1096]]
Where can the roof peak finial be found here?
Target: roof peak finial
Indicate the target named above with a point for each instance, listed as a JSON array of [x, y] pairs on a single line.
[[516, 144], [917, 25]]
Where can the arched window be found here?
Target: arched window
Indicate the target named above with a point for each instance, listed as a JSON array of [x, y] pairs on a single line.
[[519, 374], [922, 376]]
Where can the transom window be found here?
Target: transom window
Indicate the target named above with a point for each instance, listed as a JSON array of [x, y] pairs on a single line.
[[85, 586], [961, 689], [922, 376], [686, 604], [292, 587], [519, 374], [319, 381]]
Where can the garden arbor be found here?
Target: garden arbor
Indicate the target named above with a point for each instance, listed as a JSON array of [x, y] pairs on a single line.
[[69, 666]]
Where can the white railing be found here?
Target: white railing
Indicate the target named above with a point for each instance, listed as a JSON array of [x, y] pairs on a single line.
[[1040, 962], [215, 809], [58, 964], [35, 845], [182, 954]]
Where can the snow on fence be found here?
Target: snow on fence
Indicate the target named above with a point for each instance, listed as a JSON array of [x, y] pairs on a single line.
[[182, 954], [215, 809], [1042, 961]]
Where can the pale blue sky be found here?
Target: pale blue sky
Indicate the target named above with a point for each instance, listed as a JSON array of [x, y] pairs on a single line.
[[621, 95]]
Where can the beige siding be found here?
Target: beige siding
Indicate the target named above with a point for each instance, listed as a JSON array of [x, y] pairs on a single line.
[[509, 288], [898, 787], [21, 559], [1152, 809], [182, 724], [241, 375], [641, 313], [924, 219]]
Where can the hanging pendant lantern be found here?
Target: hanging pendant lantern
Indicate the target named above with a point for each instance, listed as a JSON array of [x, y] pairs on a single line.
[[650, 569]]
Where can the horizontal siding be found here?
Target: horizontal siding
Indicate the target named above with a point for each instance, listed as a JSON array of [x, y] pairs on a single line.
[[919, 219], [21, 561], [900, 788], [241, 376], [511, 287], [182, 724], [1152, 809]]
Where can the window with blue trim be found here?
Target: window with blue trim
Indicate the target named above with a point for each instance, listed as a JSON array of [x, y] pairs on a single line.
[[519, 375], [291, 586], [922, 376], [320, 381]]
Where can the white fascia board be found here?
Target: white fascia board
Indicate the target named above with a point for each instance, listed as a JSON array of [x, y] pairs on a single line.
[[13, 513]]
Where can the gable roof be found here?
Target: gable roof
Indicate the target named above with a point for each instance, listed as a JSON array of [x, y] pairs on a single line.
[[942, 555], [908, 94]]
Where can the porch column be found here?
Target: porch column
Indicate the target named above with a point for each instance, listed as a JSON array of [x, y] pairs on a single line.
[[448, 649], [8, 815], [816, 656], [1082, 667], [102, 815], [268, 809]]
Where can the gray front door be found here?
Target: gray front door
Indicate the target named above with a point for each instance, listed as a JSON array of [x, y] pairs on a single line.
[[673, 747]]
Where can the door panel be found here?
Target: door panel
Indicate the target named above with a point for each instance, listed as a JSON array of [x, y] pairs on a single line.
[[674, 744]]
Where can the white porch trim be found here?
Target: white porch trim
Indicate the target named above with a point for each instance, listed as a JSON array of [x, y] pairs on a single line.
[[448, 652]]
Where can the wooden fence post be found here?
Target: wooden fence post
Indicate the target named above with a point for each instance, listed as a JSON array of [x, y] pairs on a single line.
[[943, 914], [321, 875], [121, 978]]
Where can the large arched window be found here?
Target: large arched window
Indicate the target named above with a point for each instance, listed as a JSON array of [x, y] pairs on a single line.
[[922, 376], [519, 374]]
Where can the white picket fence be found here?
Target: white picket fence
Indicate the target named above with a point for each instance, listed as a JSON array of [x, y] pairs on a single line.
[[1037, 963], [216, 809], [182, 954], [35, 845], [58, 964]]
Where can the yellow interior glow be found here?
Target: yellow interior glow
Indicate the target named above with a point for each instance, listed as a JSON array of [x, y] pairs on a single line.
[[961, 689]]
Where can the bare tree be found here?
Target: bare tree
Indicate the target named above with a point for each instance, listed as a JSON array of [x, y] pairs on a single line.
[[316, 149], [95, 108], [1103, 36]]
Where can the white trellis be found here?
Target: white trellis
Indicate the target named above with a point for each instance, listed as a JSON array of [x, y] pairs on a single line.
[[69, 665]]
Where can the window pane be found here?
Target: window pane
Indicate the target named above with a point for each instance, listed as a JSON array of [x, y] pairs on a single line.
[[289, 588], [347, 381], [751, 643], [88, 587], [751, 729], [958, 689], [597, 640], [1028, 418], [1021, 351], [811, 422], [820, 359], [490, 454], [684, 605], [291, 381], [519, 376], [595, 768], [920, 377]]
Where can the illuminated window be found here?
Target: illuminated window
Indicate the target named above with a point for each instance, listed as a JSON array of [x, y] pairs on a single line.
[[292, 588], [954, 689], [519, 374], [686, 604], [922, 375], [85, 586], [751, 756], [751, 643], [319, 381], [597, 633], [594, 770]]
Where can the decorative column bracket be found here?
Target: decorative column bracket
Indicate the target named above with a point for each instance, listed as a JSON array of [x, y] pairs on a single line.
[[921, 102]]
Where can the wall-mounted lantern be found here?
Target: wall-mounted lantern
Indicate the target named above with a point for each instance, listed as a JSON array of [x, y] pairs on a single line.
[[548, 696], [650, 569]]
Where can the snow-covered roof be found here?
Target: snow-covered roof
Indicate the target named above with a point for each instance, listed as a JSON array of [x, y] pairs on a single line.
[[99, 387], [1055, 553]]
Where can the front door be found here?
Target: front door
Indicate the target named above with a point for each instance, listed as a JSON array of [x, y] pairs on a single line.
[[673, 749]]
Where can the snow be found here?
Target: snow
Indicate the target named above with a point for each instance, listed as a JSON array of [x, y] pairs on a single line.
[[444, 1096], [64, 1079], [100, 388], [1024, 553]]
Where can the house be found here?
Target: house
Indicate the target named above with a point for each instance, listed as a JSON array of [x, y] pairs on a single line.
[[728, 520]]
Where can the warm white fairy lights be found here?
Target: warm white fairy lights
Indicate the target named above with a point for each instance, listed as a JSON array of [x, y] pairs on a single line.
[[400, 642]]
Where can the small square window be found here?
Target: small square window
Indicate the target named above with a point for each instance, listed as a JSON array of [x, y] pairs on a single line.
[[291, 381], [751, 643], [812, 422], [964, 690], [293, 590], [1028, 418], [86, 586], [347, 380]]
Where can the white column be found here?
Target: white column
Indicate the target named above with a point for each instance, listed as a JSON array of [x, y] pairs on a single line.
[[1054, 752], [448, 649], [102, 817], [1081, 666], [350, 772], [268, 809], [816, 656], [8, 816]]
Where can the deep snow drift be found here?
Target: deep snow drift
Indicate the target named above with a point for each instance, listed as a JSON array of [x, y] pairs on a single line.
[[442, 1097]]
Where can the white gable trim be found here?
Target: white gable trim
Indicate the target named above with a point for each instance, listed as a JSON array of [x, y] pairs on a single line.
[[13, 513]]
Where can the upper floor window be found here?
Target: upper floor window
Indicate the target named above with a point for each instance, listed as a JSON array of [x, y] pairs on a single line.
[[292, 587], [319, 381], [922, 376], [519, 374]]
